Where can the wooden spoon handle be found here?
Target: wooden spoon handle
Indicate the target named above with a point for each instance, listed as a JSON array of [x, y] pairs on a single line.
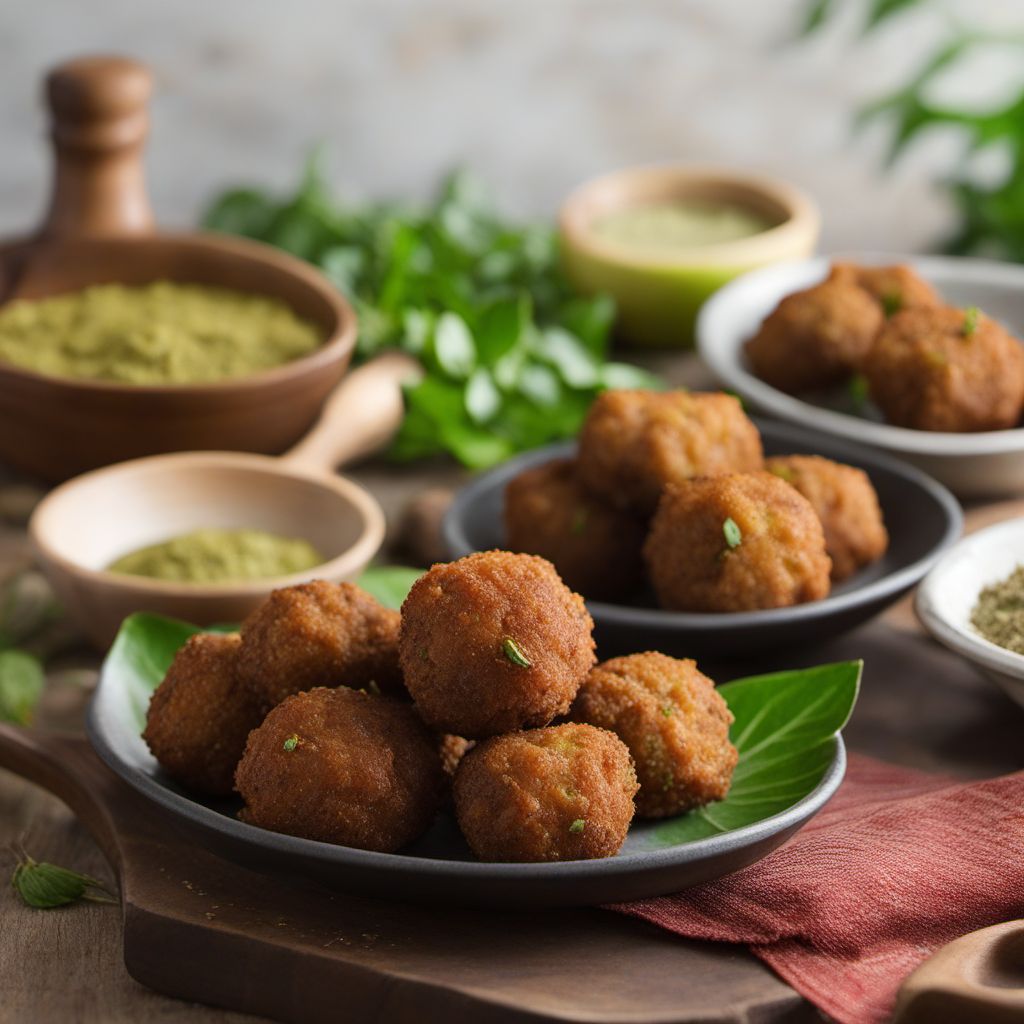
[[362, 413], [978, 977], [99, 124]]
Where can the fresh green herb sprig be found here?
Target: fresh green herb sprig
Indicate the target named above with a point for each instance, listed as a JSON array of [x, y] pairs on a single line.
[[972, 315], [29, 625], [732, 533], [45, 886], [990, 207], [513, 357], [515, 653]]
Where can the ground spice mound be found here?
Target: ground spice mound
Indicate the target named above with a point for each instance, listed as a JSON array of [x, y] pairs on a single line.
[[998, 614]]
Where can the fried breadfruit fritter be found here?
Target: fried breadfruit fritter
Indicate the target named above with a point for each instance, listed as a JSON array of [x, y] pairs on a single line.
[[736, 543], [493, 642], [342, 766], [319, 634], [674, 722], [633, 443], [200, 715], [595, 547], [847, 505], [817, 337], [947, 369], [561, 793], [894, 287]]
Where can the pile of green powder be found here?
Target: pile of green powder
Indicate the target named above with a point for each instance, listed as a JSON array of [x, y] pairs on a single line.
[[221, 556], [161, 333], [998, 614]]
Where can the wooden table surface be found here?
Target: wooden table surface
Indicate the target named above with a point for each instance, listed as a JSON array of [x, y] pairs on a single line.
[[920, 705]]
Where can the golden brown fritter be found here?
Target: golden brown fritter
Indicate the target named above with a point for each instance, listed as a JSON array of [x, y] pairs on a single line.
[[947, 369], [200, 715], [595, 547], [674, 722], [847, 505], [633, 443], [561, 793], [342, 766], [815, 338], [494, 642], [772, 555], [319, 634], [893, 287]]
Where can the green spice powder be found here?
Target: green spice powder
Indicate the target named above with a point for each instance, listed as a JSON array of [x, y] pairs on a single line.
[[161, 333], [220, 556], [998, 614]]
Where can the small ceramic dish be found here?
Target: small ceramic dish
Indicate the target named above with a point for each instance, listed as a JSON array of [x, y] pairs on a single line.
[[949, 592], [922, 517], [657, 295], [971, 465]]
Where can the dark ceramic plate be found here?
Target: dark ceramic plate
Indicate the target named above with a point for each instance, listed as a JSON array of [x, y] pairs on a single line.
[[922, 517], [656, 858]]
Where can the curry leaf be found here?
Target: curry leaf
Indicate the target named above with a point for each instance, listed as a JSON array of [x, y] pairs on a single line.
[[785, 731], [21, 684], [389, 583], [463, 290], [45, 886]]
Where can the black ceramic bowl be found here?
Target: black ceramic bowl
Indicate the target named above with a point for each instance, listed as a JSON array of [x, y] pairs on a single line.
[[922, 517]]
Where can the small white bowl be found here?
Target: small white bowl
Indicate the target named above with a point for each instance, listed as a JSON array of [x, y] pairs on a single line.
[[948, 594], [987, 463]]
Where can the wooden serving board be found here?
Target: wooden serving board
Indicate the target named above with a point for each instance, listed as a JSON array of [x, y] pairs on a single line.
[[203, 929], [199, 928]]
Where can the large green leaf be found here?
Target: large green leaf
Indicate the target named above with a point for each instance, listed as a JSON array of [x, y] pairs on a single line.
[[389, 583], [784, 730]]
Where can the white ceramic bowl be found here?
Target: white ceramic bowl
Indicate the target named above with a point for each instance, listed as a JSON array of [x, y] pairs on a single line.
[[948, 593], [989, 463]]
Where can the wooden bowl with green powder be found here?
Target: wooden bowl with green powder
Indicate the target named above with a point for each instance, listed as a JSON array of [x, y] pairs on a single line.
[[117, 341]]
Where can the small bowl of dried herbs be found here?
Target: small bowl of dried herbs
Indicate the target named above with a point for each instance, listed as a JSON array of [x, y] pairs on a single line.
[[973, 602]]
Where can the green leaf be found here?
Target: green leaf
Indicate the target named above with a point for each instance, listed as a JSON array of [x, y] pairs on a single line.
[[45, 886], [590, 320], [784, 730], [625, 375], [882, 10], [453, 346], [575, 365], [21, 684], [816, 15], [390, 584], [482, 398], [242, 211], [501, 328], [539, 384]]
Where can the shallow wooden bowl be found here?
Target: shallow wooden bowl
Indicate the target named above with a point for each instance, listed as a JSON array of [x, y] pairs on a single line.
[[99, 229]]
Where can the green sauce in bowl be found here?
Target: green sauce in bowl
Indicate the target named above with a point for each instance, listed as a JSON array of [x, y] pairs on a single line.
[[220, 556], [679, 224]]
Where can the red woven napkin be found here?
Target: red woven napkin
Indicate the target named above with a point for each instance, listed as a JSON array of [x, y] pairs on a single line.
[[898, 864]]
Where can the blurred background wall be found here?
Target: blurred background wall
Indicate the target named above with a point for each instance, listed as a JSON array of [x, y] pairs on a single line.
[[536, 95]]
